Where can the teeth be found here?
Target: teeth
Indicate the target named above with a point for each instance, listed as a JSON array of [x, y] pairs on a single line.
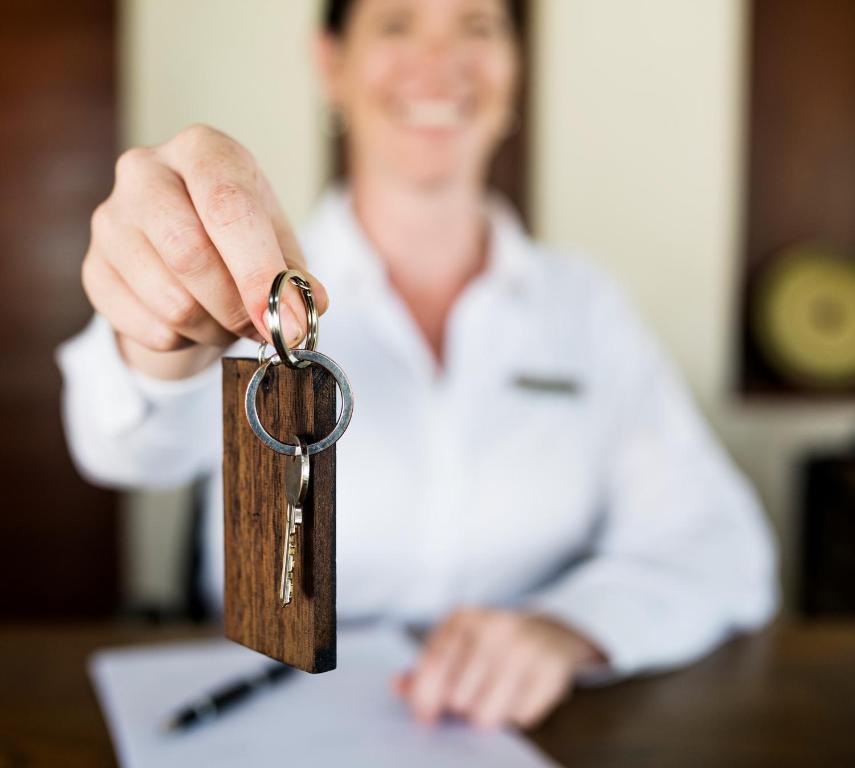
[[432, 113]]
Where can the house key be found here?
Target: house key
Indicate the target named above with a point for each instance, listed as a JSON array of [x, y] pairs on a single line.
[[296, 485]]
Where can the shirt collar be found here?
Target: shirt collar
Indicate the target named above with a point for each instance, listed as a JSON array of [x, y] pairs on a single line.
[[339, 248]]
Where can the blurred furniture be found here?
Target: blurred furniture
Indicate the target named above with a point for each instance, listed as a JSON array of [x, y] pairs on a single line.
[[800, 197], [828, 535], [58, 535], [782, 698]]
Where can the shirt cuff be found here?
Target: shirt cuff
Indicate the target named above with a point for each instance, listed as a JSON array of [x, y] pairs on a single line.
[[123, 396], [596, 603]]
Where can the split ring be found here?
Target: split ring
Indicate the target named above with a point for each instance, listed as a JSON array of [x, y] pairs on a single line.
[[274, 319], [304, 357]]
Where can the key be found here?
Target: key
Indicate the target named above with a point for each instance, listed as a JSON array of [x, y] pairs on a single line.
[[297, 470]]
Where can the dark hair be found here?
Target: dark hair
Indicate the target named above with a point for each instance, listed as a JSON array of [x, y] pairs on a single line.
[[337, 11]]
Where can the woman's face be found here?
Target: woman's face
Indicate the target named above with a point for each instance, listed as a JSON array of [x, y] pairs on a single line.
[[426, 87]]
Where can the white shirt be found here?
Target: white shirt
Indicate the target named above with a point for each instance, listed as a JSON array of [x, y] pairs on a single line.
[[611, 506]]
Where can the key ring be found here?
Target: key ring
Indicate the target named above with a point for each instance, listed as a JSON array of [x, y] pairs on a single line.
[[284, 352], [306, 357]]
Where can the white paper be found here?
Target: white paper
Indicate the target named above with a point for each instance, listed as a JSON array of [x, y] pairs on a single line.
[[347, 717]]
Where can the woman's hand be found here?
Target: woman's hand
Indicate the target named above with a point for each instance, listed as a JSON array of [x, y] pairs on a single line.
[[184, 250], [495, 667]]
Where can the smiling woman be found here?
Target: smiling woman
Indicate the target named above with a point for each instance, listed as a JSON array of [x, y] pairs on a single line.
[[641, 547], [506, 18], [446, 117]]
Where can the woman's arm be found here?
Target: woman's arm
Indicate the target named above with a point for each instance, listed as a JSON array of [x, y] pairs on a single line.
[[125, 429], [684, 556]]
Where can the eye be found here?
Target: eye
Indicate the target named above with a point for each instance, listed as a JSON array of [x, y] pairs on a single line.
[[394, 24], [484, 25]]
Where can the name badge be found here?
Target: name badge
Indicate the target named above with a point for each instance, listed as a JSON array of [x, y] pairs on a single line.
[[554, 385]]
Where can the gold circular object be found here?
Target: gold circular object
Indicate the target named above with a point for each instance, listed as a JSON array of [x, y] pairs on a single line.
[[804, 318]]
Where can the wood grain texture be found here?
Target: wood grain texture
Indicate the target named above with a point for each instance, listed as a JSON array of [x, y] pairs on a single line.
[[290, 401], [779, 699], [60, 536]]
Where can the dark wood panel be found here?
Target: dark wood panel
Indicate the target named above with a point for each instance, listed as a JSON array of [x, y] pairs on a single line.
[[801, 162], [59, 535]]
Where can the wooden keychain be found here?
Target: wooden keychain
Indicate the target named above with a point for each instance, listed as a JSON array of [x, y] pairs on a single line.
[[279, 497]]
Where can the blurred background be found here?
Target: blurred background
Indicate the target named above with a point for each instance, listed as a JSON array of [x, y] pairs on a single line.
[[703, 151]]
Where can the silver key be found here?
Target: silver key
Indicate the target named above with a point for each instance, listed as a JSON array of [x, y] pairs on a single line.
[[296, 485]]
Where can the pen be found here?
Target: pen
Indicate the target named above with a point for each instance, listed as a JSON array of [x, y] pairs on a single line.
[[215, 703]]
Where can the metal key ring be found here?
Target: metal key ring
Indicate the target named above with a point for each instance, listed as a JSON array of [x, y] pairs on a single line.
[[274, 318], [306, 356]]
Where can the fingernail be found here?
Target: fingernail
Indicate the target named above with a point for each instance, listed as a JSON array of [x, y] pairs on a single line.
[[486, 723], [291, 328], [323, 297], [426, 717]]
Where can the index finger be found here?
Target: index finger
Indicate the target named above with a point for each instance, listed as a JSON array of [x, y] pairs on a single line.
[[441, 661], [221, 180]]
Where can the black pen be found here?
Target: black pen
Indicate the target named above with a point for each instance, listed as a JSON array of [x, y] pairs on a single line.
[[215, 703]]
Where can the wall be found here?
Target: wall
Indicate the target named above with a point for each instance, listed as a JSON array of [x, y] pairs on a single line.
[[638, 157], [242, 67], [637, 154]]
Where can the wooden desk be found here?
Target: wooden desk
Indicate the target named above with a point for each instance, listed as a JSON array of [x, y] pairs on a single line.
[[784, 698]]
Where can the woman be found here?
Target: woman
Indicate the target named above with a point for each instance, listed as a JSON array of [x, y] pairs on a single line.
[[525, 471]]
